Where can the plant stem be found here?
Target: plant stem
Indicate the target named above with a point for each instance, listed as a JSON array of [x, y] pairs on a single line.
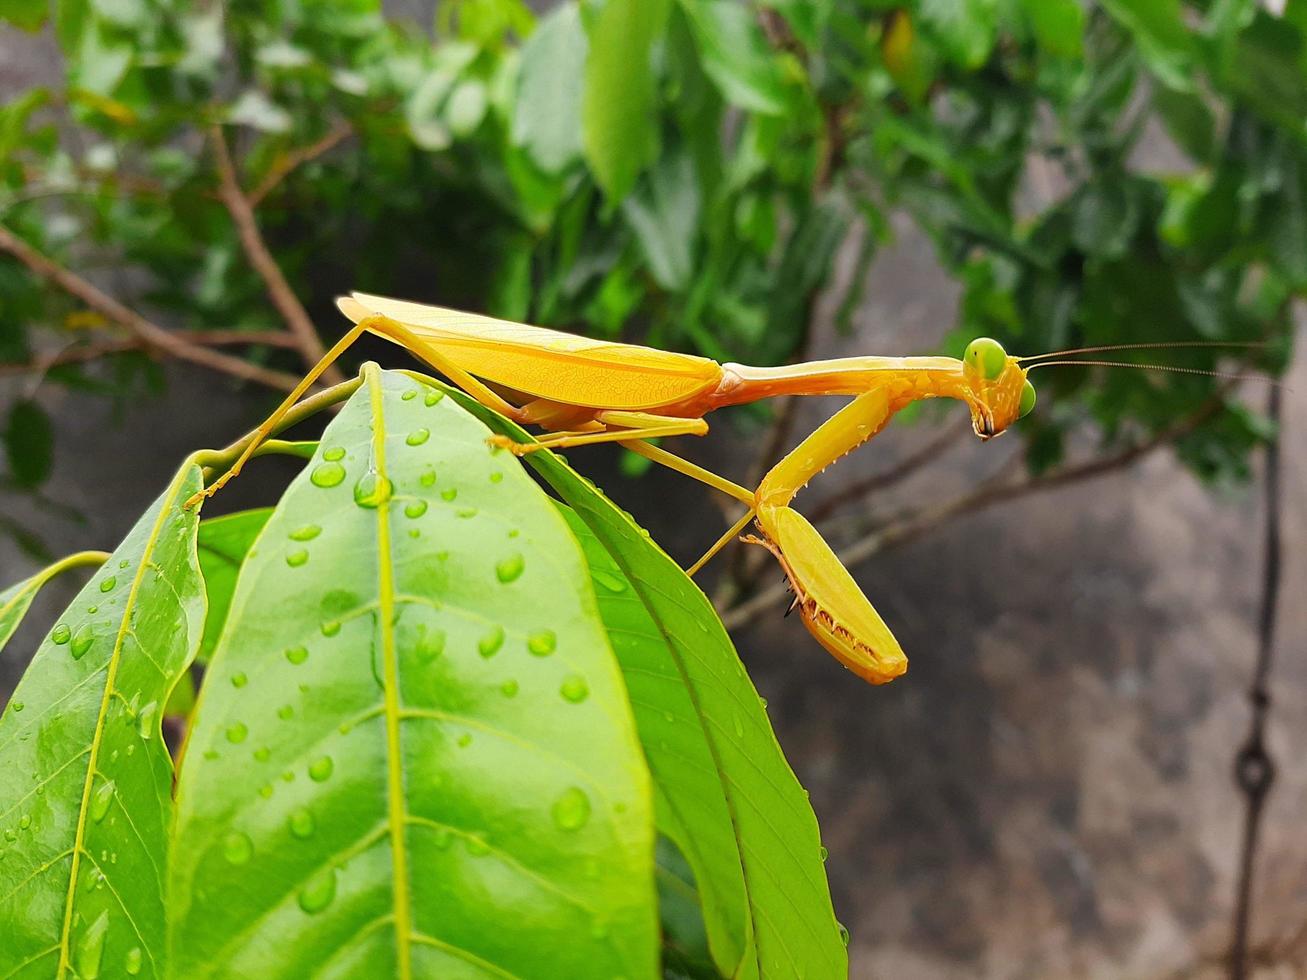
[[149, 334], [82, 353]]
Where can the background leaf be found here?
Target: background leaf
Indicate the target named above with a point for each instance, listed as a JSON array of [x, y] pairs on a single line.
[[17, 599], [547, 114], [29, 443], [224, 542], [85, 778]]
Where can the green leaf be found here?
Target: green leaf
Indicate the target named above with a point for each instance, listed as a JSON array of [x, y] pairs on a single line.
[[619, 124], [413, 749], [223, 543], [29, 443], [790, 928], [85, 779], [1164, 42], [1059, 25], [909, 61], [1189, 121], [664, 213], [966, 29], [27, 15], [16, 600], [736, 55], [547, 114]]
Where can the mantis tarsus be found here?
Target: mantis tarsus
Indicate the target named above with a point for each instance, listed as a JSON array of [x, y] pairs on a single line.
[[586, 391]]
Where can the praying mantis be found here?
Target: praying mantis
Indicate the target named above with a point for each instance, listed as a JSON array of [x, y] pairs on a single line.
[[584, 391]]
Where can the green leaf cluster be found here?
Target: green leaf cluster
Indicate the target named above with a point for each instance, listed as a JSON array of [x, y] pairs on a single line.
[[684, 172], [448, 725]]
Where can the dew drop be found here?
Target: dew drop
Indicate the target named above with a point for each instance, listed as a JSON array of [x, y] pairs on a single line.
[[61, 634], [319, 892], [327, 474], [101, 799], [433, 397], [92, 609], [334, 454], [575, 689], [408, 396], [431, 644], [24, 821], [489, 644], [298, 654], [306, 533], [844, 934], [464, 740], [611, 582], [297, 558], [372, 490], [237, 848], [236, 733], [466, 512], [288, 777], [510, 568], [109, 584], [266, 791], [320, 769], [449, 494], [331, 627], [428, 477], [477, 847], [147, 720], [124, 563], [286, 712], [82, 641], [415, 508], [509, 688], [301, 823], [414, 533], [10, 834], [542, 643], [89, 951], [572, 809], [17, 705], [824, 852], [262, 754], [132, 961], [496, 476], [440, 837], [418, 436], [239, 679], [739, 727]]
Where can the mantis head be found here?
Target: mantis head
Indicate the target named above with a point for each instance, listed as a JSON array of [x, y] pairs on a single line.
[[995, 386]]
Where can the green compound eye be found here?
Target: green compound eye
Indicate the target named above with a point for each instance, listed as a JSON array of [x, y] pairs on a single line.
[[1027, 400], [987, 356]]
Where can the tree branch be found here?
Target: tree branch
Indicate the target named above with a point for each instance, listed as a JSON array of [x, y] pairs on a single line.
[[289, 162], [256, 250], [909, 525], [149, 334], [82, 353]]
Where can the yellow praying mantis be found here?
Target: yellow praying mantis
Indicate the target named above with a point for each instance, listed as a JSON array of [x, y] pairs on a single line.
[[584, 391]]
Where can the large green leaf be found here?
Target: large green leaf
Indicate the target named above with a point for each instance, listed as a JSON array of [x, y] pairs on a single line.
[[772, 840], [547, 115], [413, 754], [17, 599], [736, 55], [619, 124], [84, 774], [223, 543]]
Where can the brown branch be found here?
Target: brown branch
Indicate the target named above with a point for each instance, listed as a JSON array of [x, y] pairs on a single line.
[[149, 334], [285, 164], [904, 468], [914, 523], [82, 353], [256, 250]]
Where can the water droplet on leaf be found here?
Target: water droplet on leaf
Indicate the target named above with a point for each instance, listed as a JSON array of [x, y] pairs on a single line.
[[301, 823], [132, 961], [239, 679], [109, 584], [575, 689], [333, 454], [236, 733], [418, 436], [489, 644], [61, 634], [320, 769], [297, 558], [415, 508], [237, 848], [319, 892], [372, 490], [327, 475], [572, 809], [101, 799], [147, 720], [306, 533], [510, 568], [298, 654], [90, 948], [82, 641], [542, 643]]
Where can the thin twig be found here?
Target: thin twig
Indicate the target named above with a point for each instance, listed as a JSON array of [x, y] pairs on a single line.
[[904, 468], [1254, 769], [149, 334], [914, 523], [82, 353], [256, 250], [285, 164]]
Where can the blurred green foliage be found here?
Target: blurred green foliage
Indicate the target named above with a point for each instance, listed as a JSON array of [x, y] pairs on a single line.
[[683, 172]]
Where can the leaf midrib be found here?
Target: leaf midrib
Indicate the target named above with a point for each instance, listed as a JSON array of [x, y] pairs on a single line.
[[396, 810]]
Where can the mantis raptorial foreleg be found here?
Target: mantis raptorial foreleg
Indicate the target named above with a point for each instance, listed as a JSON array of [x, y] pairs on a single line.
[[626, 427]]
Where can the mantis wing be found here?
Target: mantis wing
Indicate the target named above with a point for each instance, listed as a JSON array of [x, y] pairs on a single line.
[[549, 364]]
